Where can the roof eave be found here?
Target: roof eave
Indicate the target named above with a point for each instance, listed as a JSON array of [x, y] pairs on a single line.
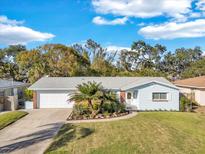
[[52, 89], [188, 86], [15, 86], [38, 89], [172, 86]]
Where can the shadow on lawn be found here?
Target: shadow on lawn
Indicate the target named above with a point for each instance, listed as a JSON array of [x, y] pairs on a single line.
[[69, 133], [31, 139]]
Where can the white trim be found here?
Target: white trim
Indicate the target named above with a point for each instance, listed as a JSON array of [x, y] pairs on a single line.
[[15, 86], [187, 86], [159, 96], [37, 89], [144, 83]]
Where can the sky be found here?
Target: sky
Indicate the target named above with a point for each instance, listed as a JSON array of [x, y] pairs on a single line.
[[113, 23]]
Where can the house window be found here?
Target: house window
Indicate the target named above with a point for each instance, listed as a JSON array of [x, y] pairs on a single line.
[[159, 96], [135, 94], [129, 95], [9, 92], [1, 93]]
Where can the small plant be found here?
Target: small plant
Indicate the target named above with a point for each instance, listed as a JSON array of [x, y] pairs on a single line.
[[113, 107], [81, 109], [28, 94], [120, 107], [106, 114], [185, 104]]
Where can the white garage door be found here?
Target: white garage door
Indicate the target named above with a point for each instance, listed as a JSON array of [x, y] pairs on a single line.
[[54, 100]]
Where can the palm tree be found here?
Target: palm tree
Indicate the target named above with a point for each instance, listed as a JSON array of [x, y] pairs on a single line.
[[92, 91], [106, 96], [87, 92]]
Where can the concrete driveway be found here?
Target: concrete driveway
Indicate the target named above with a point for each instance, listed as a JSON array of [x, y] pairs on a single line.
[[34, 132]]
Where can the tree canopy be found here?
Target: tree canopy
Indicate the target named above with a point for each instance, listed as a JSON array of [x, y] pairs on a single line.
[[92, 59]]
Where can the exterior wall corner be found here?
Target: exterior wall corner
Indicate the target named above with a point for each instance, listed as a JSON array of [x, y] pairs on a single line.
[[122, 96], [34, 100]]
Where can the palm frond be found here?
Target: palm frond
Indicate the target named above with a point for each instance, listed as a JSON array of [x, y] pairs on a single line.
[[86, 91]]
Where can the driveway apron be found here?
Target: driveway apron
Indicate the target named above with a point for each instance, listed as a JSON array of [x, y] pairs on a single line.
[[33, 133]]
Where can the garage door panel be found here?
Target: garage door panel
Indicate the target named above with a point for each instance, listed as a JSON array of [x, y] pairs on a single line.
[[54, 100]]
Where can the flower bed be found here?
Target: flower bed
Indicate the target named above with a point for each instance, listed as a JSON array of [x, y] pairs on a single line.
[[98, 116], [92, 101], [107, 110]]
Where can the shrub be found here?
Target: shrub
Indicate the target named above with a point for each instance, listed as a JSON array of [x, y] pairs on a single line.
[[120, 107], [106, 107], [185, 104], [106, 113], [28, 94], [95, 104], [81, 109], [113, 107]]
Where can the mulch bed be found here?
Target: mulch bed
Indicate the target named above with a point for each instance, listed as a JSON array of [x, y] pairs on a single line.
[[99, 116], [200, 110]]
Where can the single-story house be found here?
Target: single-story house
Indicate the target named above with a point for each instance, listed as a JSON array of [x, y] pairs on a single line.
[[143, 93], [11, 93], [193, 88]]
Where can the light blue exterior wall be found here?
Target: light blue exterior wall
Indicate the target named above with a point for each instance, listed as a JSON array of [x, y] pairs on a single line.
[[144, 98]]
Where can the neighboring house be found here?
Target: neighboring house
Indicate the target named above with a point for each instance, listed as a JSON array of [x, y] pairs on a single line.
[[11, 93], [193, 88], [142, 93]]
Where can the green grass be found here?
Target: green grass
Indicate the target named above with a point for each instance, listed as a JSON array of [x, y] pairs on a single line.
[[10, 117], [152, 132]]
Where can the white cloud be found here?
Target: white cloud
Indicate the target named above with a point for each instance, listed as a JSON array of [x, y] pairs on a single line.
[[143, 8], [102, 21], [11, 32], [141, 24], [172, 30], [114, 48], [201, 5], [5, 20], [195, 15]]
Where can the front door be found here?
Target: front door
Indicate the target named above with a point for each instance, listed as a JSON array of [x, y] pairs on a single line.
[[132, 98], [129, 98]]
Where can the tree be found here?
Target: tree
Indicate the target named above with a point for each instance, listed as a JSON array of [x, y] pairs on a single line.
[[151, 72], [196, 68], [92, 49], [8, 67], [168, 65], [102, 67], [91, 92], [12, 51], [174, 64], [32, 65], [100, 60], [141, 56], [1, 62], [91, 59], [127, 60], [95, 51], [53, 60], [63, 61]]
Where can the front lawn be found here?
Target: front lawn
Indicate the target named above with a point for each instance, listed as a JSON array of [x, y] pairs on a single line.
[[151, 132], [10, 117]]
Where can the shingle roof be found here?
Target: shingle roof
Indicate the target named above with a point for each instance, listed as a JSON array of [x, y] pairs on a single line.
[[70, 83], [197, 82], [4, 84]]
